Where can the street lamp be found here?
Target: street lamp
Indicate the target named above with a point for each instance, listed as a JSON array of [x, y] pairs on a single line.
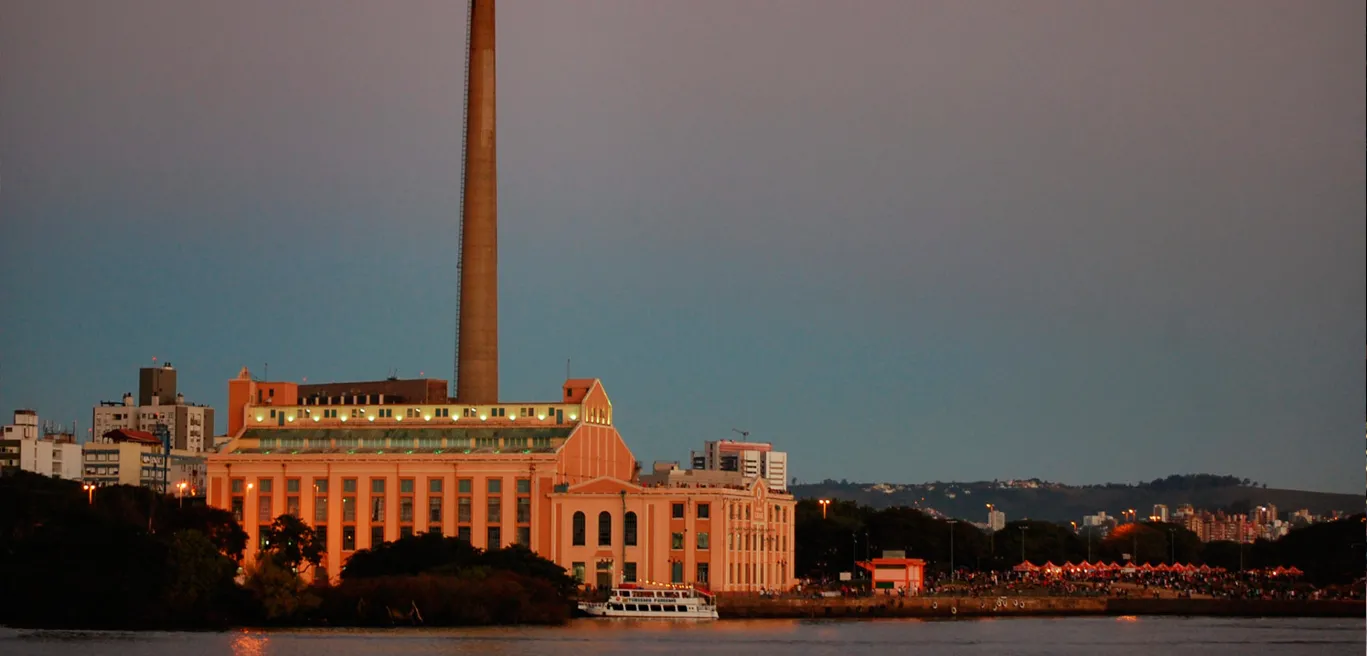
[[1172, 547], [824, 503], [1023, 530], [992, 533], [952, 522], [89, 493], [181, 486]]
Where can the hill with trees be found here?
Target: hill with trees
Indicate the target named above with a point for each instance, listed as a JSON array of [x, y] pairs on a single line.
[[1058, 502], [1328, 552]]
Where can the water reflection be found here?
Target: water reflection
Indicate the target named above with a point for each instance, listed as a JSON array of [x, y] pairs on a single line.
[[249, 644]]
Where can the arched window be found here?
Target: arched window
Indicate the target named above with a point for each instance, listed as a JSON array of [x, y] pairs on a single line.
[[629, 528], [578, 529], [604, 528]]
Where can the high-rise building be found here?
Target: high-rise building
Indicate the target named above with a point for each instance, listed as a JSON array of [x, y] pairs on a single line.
[[996, 520], [190, 426], [1160, 513], [749, 458], [23, 445], [366, 463]]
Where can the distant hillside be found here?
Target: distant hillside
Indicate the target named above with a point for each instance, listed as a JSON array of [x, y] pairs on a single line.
[[1063, 503]]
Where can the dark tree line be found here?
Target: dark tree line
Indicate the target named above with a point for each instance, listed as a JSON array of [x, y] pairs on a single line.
[[130, 558], [1330, 552]]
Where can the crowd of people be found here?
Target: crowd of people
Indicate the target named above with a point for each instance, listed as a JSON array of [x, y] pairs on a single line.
[[1214, 584]]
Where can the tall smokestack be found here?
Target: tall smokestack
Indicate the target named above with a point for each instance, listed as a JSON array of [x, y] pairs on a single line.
[[477, 347]]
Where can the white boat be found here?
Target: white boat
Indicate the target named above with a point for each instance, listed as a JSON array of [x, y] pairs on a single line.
[[638, 602]]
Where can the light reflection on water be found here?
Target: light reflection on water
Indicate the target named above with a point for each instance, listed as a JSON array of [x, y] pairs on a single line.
[[998, 637]]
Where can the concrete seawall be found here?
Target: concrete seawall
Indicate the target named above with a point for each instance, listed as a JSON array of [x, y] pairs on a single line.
[[950, 607]]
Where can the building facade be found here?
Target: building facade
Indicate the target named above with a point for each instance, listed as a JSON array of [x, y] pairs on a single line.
[[733, 539], [494, 474], [190, 426], [129, 457], [749, 458], [24, 446]]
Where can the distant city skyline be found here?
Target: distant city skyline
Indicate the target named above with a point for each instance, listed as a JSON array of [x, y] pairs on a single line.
[[904, 242]]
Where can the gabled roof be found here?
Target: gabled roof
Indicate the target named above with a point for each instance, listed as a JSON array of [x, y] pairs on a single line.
[[129, 435], [578, 388]]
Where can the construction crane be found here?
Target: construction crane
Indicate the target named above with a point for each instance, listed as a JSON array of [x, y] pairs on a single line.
[[744, 435]]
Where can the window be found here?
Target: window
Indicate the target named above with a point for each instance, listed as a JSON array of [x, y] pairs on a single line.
[[376, 536], [377, 486], [463, 533], [676, 572], [434, 485], [495, 538], [463, 510], [524, 536], [434, 510], [405, 486], [292, 486], [464, 486], [676, 541], [524, 510], [703, 542], [292, 505], [349, 485], [524, 486], [495, 486], [405, 532], [377, 509], [348, 538], [320, 487], [677, 511], [264, 508], [577, 571], [604, 528], [578, 530], [406, 509], [628, 572], [348, 509], [322, 532], [237, 509], [629, 529], [495, 515], [747, 513], [704, 511], [263, 485], [702, 573]]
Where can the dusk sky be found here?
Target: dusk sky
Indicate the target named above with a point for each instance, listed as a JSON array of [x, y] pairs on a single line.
[[1083, 241]]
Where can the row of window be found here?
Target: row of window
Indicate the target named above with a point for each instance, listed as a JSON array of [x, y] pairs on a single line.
[[406, 443], [702, 572], [377, 485], [376, 513], [493, 535]]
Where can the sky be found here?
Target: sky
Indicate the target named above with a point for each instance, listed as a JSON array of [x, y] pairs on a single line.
[[905, 241]]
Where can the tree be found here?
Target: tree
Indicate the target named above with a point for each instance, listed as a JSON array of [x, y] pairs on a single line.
[[293, 543], [200, 577], [279, 592]]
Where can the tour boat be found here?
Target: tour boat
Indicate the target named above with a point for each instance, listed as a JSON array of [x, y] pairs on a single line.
[[636, 602]]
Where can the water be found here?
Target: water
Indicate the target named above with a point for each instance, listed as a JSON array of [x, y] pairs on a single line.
[[1000, 637]]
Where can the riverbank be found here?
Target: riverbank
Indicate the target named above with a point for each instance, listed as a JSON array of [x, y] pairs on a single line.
[[950, 607]]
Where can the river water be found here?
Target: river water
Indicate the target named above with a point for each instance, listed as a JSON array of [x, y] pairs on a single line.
[[1146, 636]]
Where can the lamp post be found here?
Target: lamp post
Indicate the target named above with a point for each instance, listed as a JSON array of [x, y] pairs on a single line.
[[854, 554], [1172, 547], [992, 534], [824, 503], [1023, 530], [181, 493], [952, 522], [89, 493]]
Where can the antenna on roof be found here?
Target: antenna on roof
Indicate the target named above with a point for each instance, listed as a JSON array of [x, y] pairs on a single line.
[[745, 435], [567, 368]]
